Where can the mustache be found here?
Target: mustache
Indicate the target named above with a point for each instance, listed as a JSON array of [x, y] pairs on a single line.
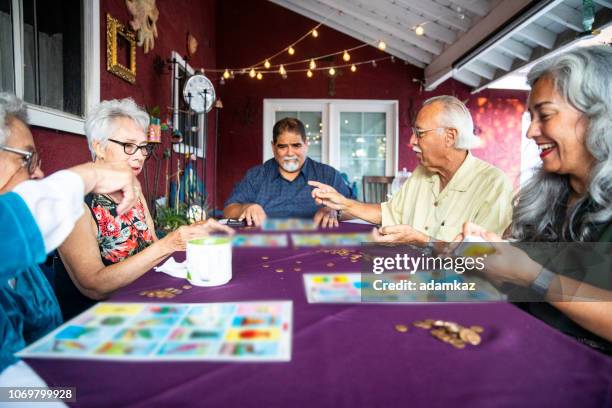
[[290, 158]]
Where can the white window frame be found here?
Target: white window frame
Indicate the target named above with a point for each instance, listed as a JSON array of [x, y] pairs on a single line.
[[52, 118], [330, 132], [178, 93]]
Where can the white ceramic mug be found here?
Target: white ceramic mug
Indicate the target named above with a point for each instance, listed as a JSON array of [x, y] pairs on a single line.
[[209, 261]]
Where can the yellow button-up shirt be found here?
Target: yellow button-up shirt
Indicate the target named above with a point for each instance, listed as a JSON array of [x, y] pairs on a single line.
[[478, 192]]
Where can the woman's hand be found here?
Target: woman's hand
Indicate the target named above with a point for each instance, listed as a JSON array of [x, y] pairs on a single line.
[[507, 263], [177, 239]]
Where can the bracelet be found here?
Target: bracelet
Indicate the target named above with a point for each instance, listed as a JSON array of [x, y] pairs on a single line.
[[542, 282]]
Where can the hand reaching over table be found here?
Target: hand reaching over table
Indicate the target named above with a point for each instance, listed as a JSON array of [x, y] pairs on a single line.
[[326, 218]]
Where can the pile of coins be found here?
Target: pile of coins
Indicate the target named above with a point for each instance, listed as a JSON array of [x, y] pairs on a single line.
[[451, 332], [167, 293]]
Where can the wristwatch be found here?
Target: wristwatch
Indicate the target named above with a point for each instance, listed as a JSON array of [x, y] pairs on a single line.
[[542, 282]]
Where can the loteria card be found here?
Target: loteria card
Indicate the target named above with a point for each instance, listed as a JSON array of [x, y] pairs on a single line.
[[260, 240], [288, 224], [234, 332]]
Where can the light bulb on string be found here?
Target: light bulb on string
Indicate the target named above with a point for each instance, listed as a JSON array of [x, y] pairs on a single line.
[[259, 76], [281, 70], [332, 71], [252, 73], [291, 50], [419, 30], [315, 33], [353, 68], [346, 56], [374, 63], [309, 74], [382, 45], [267, 64], [313, 65], [226, 74]]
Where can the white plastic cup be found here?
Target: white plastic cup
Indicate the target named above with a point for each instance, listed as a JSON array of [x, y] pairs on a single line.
[[209, 261]]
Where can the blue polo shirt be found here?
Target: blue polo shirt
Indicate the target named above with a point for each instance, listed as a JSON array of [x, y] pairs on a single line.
[[281, 198]]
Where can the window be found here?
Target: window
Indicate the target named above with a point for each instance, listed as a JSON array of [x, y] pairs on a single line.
[[183, 119], [357, 137], [49, 57]]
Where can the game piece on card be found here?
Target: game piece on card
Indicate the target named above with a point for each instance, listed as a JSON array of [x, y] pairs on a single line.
[[402, 328], [235, 332]]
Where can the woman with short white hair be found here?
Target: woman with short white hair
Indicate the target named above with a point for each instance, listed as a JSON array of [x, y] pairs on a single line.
[[569, 199], [107, 251]]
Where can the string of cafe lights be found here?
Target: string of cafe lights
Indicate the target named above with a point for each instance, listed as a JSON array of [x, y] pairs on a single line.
[[265, 67]]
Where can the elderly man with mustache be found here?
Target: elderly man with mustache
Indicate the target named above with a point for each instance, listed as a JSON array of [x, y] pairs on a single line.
[[448, 188], [279, 187]]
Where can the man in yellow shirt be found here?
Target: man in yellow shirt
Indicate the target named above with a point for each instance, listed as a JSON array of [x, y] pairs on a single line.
[[448, 188]]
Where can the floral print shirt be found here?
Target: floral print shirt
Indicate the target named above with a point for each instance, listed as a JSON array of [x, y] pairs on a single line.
[[119, 236]]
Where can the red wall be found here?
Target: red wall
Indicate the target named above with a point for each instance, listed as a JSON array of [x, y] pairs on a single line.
[[250, 31], [176, 18]]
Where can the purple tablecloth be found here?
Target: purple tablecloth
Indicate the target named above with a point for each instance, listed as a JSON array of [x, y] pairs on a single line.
[[350, 355]]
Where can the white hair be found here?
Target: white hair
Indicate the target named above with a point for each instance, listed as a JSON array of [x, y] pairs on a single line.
[[457, 116], [11, 108], [100, 121], [583, 77]]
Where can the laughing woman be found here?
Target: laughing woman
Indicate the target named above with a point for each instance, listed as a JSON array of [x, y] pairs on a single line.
[[107, 251], [570, 198]]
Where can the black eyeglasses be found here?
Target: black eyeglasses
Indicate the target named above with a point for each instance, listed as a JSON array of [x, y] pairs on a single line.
[[131, 148], [31, 160]]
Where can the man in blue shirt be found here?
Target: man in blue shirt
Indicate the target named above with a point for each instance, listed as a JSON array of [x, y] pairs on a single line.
[[279, 187]]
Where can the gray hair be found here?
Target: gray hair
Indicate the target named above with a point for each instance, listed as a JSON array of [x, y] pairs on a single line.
[[100, 121], [457, 116], [583, 78], [11, 108]]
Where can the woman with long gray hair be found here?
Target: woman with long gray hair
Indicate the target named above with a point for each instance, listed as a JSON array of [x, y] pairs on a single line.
[[569, 199]]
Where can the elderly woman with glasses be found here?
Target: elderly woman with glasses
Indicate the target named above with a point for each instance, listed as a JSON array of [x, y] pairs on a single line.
[[107, 251], [568, 200]]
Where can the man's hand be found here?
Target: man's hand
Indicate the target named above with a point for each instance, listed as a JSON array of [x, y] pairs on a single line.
[[254, 214], [326, 218], [403, 234], [328, 196], [107, 178]]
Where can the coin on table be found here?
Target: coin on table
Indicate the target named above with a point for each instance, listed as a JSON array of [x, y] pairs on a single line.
[[470, 336], [279, 270], [402, 328], [265, 258], [187, 286], [297, 269], [452, 327], [477, 329], [144, 293], [330, 264], [458, 343], [298, 262], [265, 265]]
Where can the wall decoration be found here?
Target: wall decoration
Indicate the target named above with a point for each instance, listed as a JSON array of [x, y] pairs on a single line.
[[120, 50], [192, 45], [144, 21]]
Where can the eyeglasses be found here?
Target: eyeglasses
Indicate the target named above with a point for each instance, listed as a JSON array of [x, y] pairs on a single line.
[[420, 133], [131, 148], [31, 160]]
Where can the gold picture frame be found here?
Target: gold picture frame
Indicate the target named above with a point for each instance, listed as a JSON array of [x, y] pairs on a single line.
[[115, 32]]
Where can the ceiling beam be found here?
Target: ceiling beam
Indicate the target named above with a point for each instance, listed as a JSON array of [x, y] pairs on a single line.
[[441, 68], [497, 59], [567, 16], [538, 35], [478, 7], [516, 48], [435, 12], [605, 3], [378, 21], [298, 8], [603, 20], [481, 68], [467, 77], [408, 20]]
